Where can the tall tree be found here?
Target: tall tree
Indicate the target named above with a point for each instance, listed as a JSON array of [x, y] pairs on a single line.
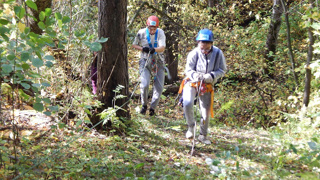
[[272, 37], [112, 66], [172, 32], [307, 86]]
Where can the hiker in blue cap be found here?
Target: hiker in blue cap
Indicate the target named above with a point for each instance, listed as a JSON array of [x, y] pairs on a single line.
[[151, 41], [205, 65]]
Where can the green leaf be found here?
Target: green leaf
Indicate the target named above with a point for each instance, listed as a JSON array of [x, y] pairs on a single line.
[[88, 107], [65, 19], [87, 121], [49, 64], [48, 113], [48, 12], [7, 68], [21, 13], [80, 33], [38, 107], [236, 149], [41, 25], [87, 43], [58, 16], [102, 40], [129, 175], [17, 9], [238, 165], [61, 125], [316, 25], [216, 162], [53, 108], [42, 15], [11, 57], [78, 123], [32, 5], [246, 173], [25, 85], [46, 100], [36, 62], [6, 38], [45, 84], [23, 94], [36, 85], [38, 100], [24, 56], [312, 145], [36, 147], [139, 165], [315, 139], [95, 46], [4, 21], [49, 57], [293, 148]]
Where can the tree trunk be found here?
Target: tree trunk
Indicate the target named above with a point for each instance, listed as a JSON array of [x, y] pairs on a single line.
[[272, 37], [211, 4], [112, 66], [172, 45], [32, 23], [307, 87], [293, 66]]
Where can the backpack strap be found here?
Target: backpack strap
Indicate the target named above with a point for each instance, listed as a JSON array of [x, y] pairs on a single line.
[[155, 44]]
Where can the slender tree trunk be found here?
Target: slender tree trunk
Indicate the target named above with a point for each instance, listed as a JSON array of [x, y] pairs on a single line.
[[307, 87], [112, 66], [272, 37], [211, 4], [172, 44], [289, 43]]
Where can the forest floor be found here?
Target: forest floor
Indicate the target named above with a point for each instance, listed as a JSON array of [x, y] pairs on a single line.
[[156, 148]]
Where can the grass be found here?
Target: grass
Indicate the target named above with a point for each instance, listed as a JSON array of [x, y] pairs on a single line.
[[156, 148]]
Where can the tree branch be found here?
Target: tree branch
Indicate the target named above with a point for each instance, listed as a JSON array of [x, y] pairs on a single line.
[[158, 11]]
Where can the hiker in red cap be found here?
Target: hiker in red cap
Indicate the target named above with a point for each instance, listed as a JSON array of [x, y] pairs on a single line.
[[151, 41]]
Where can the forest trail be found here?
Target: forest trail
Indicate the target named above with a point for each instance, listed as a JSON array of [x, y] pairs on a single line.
[[161, 140]]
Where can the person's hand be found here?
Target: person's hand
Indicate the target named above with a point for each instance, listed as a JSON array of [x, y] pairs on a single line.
[[152, 50], [146, 49], [207, 78], [197, 76]]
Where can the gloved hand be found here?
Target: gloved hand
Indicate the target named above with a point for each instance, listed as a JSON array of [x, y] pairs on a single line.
[[207, 78], [146, 49], [197, 76], [152, 50]]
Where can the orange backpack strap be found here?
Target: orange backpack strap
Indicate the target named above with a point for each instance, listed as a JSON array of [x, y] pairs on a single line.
[[182, 85]]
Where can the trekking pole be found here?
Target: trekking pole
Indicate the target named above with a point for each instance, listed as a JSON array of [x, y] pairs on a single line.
[[195, 122]]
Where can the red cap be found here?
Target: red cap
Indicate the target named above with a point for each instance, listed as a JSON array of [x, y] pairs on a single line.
[[153, 21]]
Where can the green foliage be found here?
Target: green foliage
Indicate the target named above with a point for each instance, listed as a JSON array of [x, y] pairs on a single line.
[[23, 57]]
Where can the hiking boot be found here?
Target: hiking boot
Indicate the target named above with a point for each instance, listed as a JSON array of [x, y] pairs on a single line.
[[151, 112], [143, 110], [204, 139], [190, 132]]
